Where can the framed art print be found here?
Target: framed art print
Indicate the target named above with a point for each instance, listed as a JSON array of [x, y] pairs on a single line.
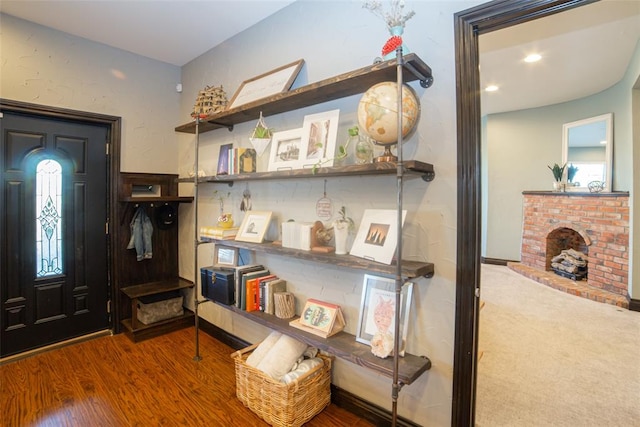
[[319, 134], [378, 309], [225, 256], [223, 159], [377, 235], [285, 150], [254, 226], [267, 84]]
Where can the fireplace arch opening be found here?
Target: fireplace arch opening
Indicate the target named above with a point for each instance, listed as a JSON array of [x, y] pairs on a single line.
[[567, 253]]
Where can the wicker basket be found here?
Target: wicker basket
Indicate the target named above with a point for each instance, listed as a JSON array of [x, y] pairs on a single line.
[[280, 404]]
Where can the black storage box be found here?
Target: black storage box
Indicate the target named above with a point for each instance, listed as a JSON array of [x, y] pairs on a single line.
[[218, 284]]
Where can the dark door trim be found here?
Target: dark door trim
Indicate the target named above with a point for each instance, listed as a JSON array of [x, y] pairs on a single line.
[[113, 168], [469, 24]]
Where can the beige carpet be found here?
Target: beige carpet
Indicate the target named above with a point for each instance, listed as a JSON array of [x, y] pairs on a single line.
[[553, 359]]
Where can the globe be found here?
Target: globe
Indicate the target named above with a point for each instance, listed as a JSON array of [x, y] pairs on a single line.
[[378, 113]]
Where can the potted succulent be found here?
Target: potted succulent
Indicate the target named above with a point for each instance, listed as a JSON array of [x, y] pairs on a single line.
[[558, 172], [261, 136], [341, 228]]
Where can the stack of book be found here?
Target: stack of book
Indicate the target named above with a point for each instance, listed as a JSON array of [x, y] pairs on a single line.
[[297, 235], [254, 288], [219, 233]]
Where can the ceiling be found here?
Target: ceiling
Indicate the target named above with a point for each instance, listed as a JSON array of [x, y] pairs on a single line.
[[577, 47]]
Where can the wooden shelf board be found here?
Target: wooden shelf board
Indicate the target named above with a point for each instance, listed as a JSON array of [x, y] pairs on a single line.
[[410, 269], [163, 199], [153, 288], [347, 84], [343, 346], [411, 168]]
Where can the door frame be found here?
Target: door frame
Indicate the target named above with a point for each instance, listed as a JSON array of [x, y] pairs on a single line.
[[113, 123], [469, 24]]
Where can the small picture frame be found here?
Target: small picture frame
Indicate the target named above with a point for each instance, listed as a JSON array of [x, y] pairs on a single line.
[[286, 149], [378, 309], [267, 84], [223, 159], [225, 256], [319, 135], [377, 235], [254, 226]]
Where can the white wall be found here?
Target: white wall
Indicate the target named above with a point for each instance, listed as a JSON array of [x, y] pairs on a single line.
[[333, 38], [48, 67]]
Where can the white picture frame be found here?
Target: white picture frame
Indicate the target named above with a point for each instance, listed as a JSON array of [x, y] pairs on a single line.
[[319, 135], [286, 149], [267, 84], [254, 226], [377, 235], [378, 309]]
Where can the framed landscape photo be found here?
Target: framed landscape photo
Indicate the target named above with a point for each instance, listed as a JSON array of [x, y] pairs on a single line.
[[319, 134], [254, 226], [285, 150], [267, 84], [225, 256], [378, 309], [377, 235]]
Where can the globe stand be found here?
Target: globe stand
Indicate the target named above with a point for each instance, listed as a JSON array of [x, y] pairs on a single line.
[[387, 156]]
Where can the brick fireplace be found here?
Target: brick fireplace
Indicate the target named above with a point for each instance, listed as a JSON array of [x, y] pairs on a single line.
[[596, 224]]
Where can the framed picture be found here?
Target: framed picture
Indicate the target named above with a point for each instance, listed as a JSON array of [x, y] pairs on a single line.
[[285, 150], [267, 84], [378, 309], [225, 256], [254, 226], [319, 134], [377, 235], [223, 159]]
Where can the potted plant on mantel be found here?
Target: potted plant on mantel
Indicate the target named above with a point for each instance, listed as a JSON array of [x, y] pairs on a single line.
[[571, 173], [558, 172]]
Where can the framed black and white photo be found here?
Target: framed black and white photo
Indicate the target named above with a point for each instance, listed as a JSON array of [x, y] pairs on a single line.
[[254, 226], [319, 134], [285, 150], [378, 309], [225, 256], [267, 84], [377, 235]]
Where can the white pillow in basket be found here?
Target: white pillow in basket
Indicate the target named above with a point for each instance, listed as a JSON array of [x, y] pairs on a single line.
[[281, 357], [262, 349]]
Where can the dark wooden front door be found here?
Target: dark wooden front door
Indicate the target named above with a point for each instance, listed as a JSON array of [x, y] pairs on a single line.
[[53, 245]]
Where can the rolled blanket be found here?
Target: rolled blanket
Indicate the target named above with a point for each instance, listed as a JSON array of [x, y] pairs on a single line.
[[258, 354], [304, 366], [281, 357]]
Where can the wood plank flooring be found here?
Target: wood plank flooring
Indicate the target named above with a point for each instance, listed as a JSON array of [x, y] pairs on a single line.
[[111, 381]]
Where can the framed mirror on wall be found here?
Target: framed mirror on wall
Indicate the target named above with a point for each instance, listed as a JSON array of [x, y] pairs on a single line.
[[587, 150]]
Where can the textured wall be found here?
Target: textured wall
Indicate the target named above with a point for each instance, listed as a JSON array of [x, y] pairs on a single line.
[[334, 38], [49, 67]]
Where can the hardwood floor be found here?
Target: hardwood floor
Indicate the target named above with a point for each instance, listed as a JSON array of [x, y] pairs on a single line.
[[111, 381]]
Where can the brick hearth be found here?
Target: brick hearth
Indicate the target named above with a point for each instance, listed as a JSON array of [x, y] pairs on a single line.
[[600, 222]]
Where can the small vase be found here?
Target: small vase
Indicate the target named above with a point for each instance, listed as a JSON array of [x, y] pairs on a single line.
[[558, 186], [225, 221], [341, 233], [363, 150], [398, 30]]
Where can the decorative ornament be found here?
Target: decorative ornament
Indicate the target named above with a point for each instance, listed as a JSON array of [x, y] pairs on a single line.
[[391, 45], [324, 206], [245, 205], [382, 344], [210, 100]]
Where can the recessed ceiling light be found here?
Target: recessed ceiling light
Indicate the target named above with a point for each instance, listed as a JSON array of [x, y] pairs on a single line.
[[534, 57], [491, 88]]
